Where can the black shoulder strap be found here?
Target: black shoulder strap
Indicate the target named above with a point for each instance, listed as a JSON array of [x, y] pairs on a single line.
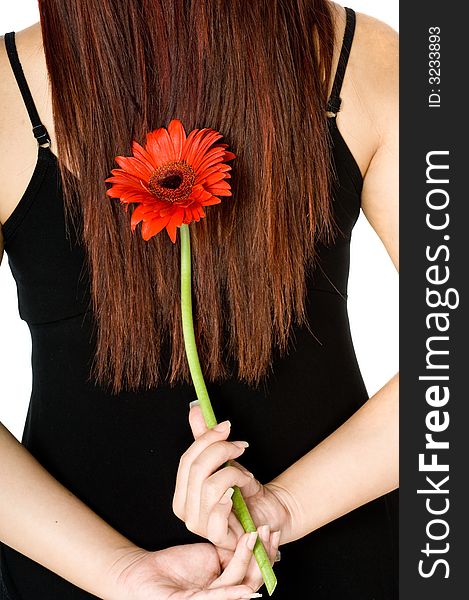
[[333, 106], [39, 131]]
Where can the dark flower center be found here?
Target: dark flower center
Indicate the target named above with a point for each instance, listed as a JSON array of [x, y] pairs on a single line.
[[172, 181]]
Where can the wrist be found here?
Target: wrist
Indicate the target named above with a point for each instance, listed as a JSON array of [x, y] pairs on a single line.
[[116, 578], [290, 519]]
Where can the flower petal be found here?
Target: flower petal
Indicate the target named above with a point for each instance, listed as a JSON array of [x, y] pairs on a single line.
[[144, 156], [209, 138], [199, 193], [178, 136], [211, 201], [229, 155], [213, 157], [191, 215], [190, 145], [220, 191], [220, 167], [221, 183], [174, 222], [138, 215], [213, 178], [123, 178], [126, 194], [192, 212], [195, 149], [134, 166], [167, 210], [151, 228], [160, 146]]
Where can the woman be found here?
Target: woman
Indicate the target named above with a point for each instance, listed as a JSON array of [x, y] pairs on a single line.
[[110, 391]]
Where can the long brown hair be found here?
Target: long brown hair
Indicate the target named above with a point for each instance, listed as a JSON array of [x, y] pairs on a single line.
[[257, 71]]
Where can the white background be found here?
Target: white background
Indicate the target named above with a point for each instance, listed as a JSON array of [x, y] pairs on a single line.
[[373, 285]]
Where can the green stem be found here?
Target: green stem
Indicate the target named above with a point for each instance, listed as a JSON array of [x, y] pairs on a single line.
[[239, 505]]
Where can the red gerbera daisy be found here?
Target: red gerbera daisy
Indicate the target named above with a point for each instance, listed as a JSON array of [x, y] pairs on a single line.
[[172, 178]]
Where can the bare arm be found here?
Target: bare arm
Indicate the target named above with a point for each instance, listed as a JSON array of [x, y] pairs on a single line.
[[43, 520], [354, 465]]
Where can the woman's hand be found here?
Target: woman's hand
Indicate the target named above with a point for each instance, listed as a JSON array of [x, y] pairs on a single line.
[[202, 498], [195, 571]]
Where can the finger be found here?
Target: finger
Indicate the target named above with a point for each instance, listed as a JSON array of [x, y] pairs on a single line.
[[223, 528], [221, 432], [235, 525], [253, 575], [252, 486], [215, 486], [264, 536], [236, 569], [197, 421], [218, 525], [271, 543], [205, 488], [274, 546], [238, 592]]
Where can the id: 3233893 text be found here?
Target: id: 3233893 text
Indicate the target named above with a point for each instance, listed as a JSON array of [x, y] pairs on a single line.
[[434, 67]]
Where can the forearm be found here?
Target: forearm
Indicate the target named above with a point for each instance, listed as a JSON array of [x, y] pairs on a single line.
[[43, 520], [354, 465]]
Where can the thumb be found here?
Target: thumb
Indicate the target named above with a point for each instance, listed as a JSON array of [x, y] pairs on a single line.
[[253, 486], [196, 421]]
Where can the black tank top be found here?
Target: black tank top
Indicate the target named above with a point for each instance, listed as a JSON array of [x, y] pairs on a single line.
[[119, 454]]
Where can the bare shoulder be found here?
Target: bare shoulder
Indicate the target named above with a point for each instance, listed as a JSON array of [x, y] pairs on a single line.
[[7, 89], [368, 113], [377, 36], [18, 147], [376, 69], [371, 36], [28, 44]]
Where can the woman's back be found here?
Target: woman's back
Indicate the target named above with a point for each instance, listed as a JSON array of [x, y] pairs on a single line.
[[120, 454]]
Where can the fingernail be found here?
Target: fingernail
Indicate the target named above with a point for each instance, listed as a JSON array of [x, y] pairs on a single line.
[[252, 596], [222, 426], [227, 496], [194, 403], [251, 541], [264, 531], [241, 444]]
